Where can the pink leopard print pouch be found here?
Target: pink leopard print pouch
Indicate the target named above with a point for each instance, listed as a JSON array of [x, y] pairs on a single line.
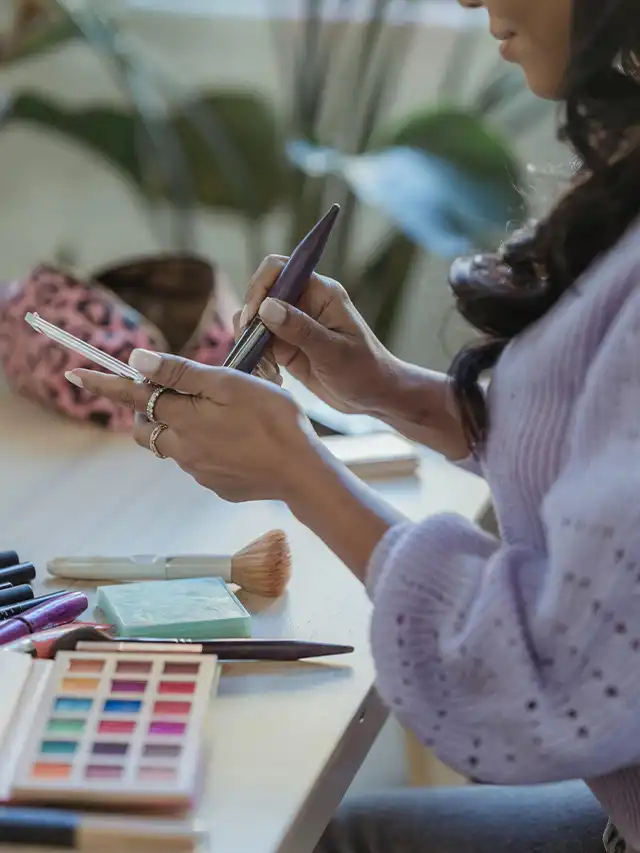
[[168, 304]]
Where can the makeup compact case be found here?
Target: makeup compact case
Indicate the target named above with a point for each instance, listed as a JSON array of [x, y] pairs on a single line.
[[170, 303]]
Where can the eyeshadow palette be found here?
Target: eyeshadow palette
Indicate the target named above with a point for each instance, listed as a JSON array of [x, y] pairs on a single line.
[[119, 730]]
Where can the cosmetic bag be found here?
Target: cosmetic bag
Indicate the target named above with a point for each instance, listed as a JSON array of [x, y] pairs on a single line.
[[170, 303]]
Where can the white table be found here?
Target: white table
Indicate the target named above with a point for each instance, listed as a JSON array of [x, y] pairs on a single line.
[[287, 739]]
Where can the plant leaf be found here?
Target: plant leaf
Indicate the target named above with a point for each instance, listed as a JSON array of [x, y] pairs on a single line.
[[379, 288], [441, 207], [42, 39], [460, 138], [252, 136], [108, 132], [112, 134]]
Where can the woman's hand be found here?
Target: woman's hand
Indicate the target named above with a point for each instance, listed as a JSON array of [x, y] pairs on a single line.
[[239, 436], [245, 439], [323, 342]]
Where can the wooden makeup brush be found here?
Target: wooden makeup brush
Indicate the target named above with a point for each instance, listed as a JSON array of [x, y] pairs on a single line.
[[263, 567], [93, 638]]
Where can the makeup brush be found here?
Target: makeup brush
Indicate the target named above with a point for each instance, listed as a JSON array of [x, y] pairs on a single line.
[[262, 567], [250, 346], [93, 638]]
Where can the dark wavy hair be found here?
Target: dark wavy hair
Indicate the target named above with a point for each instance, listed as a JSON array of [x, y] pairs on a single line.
[[501, 295]]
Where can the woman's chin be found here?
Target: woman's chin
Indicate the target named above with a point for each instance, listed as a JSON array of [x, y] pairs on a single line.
[[542, 84]]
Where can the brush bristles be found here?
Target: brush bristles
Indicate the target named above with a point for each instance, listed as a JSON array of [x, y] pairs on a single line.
[[263, 567]]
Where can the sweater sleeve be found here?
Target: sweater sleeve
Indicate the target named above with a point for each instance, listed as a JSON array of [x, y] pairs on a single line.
[[471, 464], [521, 666]]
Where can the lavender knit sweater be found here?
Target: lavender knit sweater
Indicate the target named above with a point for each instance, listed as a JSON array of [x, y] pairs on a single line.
[[518, 661]]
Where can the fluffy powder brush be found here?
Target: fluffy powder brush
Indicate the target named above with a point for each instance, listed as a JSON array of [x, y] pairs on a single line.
[[262, 567]]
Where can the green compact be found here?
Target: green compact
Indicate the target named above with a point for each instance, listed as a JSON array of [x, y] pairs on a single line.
[[198, 609]]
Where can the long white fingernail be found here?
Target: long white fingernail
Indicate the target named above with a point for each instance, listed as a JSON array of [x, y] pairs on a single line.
[[73, 379], [145, 361], [273, 313]]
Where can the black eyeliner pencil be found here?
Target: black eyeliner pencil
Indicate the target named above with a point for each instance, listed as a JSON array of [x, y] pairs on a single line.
[[10, 611], [8, 559], [15, 594], [18, 573]]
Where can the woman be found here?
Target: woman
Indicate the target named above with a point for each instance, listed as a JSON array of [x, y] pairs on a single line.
[[517, 661]]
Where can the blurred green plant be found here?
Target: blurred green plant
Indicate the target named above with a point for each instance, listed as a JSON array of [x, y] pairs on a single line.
[[445, 178], [221, 150]]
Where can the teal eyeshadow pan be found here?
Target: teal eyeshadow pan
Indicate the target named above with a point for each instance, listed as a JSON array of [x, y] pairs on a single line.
[[69, 703], [58, 747]]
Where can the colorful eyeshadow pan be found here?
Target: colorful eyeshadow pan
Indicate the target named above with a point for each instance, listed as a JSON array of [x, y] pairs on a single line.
[[176, 687], [79, 685], [86, 665], [65, 727], [107, 748], [157, 774], [166, 707], [181, 668], [167, 727], [118, 729], [122, 706], [69, 703], [42, 770], [162, 750], [128, 686], [133, 667], [58, 747], [104, 771]]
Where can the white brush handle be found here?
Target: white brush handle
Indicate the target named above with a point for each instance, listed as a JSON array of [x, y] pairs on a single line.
[[141, 567]]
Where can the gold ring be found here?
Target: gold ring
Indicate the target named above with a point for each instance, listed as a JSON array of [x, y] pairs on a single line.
[[153, 438], [151, 404]]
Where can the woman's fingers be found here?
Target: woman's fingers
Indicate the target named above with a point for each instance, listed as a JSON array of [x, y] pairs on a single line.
[[166, 404], [268, 369], [166, 441], [261, 283]]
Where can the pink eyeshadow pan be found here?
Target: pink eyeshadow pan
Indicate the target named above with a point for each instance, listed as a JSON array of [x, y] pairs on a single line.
[[116, 727], [166, 707], [103, 771], [176, 687], [167, 727]]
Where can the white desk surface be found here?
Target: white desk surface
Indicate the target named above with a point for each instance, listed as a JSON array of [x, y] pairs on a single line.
[[287, 739]]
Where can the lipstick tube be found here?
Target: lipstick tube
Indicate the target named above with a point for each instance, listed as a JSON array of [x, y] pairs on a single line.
[[55, 611], [9, 611]]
